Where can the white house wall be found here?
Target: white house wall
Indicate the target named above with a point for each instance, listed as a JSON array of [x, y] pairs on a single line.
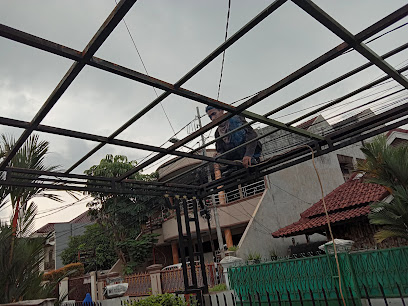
[[290, 192]]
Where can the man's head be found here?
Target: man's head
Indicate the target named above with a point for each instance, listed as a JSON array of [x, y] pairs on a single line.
[[213, 113]]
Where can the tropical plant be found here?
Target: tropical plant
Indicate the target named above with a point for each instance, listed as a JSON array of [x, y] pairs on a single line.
[[387, 166], [393, 216], [20, 279], [30, 156], [20, 256], [254, 257], [122, 216]]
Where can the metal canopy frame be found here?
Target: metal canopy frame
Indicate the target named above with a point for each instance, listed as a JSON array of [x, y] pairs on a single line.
[[321, 144]]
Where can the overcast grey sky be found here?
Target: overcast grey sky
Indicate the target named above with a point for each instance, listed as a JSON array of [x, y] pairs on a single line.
[[172, 37]]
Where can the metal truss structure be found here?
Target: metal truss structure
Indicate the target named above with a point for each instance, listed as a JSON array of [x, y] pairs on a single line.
[[320, 144]]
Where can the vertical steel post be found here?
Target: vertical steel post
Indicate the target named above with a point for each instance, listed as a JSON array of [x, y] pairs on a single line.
[[200, 246], [216, 216], [190, 245], [181, 242]]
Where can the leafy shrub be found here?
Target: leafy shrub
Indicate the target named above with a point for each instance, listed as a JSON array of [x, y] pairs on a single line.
[[219, 287], [72, 270], [165, 299]]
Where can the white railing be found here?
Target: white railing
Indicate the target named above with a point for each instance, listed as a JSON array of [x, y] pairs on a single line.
[[223, 197], [239, 193]]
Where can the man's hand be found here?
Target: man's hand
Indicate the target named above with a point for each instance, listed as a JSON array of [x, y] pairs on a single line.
[[246, 161]]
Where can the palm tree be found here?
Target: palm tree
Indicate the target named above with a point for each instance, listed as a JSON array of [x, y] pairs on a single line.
[[20, 279], [388, 166], [392, 216], [31, 156]]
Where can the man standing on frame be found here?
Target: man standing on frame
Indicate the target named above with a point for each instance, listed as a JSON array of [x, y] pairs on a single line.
[[249, 154]]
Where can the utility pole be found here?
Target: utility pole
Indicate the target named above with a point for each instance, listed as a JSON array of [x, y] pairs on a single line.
[[216, 216]]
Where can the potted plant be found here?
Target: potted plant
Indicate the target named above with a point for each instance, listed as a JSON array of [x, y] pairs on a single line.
[[231, 250], [273, 255], [254, 258]]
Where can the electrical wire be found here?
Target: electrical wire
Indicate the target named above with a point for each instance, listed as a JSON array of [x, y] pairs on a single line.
[[223, 53], [328, 224], [144, 66]]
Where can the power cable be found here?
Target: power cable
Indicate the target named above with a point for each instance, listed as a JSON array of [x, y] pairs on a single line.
[[144, 66], [381, 35], [223, 53]]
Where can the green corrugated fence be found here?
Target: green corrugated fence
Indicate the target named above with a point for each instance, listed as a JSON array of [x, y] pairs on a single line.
[[377, 273]]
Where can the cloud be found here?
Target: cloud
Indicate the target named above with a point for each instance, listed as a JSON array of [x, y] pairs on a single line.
[[172, 37]]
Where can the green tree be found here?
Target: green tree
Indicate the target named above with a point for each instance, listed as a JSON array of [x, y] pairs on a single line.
[[388, 166], [123, 215], [19, 280], [30, 156], [95, 240]]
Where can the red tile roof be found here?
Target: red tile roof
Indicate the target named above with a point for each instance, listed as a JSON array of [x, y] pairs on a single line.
[[49, 227], [348, 201], [397, 130]]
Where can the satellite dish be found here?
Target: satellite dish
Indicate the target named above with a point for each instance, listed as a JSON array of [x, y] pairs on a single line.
[[115, 290]]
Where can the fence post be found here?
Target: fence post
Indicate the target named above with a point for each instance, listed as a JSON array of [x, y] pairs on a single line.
[[226, 263], [63, 289], [99, 286], [154, 271], [93, 286]]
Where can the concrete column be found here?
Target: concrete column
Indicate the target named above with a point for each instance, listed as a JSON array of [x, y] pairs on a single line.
[[228, 237], [217, 174], [63, 289], [100, 288], [227, 262], [174, 251], [154, 271], [93, 286]]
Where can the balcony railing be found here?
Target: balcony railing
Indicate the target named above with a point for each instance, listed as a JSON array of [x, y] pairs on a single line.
[[239, 193], [222, 197]]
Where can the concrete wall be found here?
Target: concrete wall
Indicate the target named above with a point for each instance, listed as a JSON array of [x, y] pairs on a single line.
[[291, 191], [62, 233], [231, 214]]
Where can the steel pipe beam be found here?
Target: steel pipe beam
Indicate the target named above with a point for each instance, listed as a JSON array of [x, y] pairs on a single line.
[[321, 60], [336, 101], [105, 140], [95, 178], [339, 139], [317, 13], [229, 42], [102, 34]]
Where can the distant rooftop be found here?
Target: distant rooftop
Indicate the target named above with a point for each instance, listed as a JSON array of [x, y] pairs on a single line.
[[49, 227]]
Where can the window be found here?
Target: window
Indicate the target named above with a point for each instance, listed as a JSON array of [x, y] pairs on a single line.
[[346, 166]]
